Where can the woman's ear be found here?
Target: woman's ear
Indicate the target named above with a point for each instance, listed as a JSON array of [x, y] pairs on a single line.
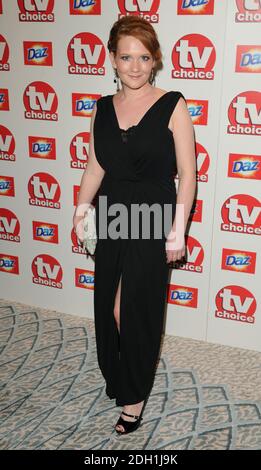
[[112, 59]]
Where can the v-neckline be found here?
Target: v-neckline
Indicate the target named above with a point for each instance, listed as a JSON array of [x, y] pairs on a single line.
[[144, 115]]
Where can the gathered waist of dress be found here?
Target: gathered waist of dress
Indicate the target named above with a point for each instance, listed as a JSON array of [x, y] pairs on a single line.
[[165, 183]]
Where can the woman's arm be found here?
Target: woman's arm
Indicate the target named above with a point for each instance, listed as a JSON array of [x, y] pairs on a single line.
[[183, 134]]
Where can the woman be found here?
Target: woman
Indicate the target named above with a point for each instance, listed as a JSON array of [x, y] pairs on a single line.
[[139, 138]]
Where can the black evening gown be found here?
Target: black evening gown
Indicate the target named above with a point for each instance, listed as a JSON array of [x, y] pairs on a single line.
[[139, 164]]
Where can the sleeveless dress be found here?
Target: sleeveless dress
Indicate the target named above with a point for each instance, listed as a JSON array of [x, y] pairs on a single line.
[[140, 165]]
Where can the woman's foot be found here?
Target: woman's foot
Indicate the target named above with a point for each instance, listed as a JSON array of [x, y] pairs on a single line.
[[132, 410]]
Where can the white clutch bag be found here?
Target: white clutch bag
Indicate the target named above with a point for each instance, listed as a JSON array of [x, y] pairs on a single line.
[[89, 231]]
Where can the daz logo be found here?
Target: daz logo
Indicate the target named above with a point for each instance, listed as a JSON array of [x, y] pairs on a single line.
[[40, 101], [4, 99], [241, 213], [85, 7], [244, 166], [147, 9], [45, 232], [4, 54], [235, 303], [248, 59], [7, 187], [7, 144], [38, 53], [198, 110], [195, 7], [244, 114], [82, 105], [249, 11], [238, 261], [79, 150], [86, 55], [44, 191], [9, 264], [42, 147], [182, 295], [36, 10], [193, 57], [84, 278], [47, 271], [9, 226]]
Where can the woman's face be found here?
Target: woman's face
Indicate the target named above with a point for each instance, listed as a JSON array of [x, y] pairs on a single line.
[[133, 62]]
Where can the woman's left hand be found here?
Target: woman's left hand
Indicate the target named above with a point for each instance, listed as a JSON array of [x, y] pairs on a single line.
[[175, 249]]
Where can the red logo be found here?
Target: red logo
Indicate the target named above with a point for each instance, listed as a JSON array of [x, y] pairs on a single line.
[[42, 147], [9, 264], [45, 232], [84, 278], [195, 7], [4, 99], [85, 7], [248, 59], [249, 11], [198, 110], [44, 191], [7, 186], [195, 256], [47, 271], [193, 57], [244, 114], [1, 7], [36, 10], [182, 295], [203, 162], [241, 213], [9, 226], [235, 303], [4, 54], [40, 101], [77, 246], [7, 144], [196, 211], [239, 261], [38, 53], [145, 9], [82, 104], [86, 55], [79, 150], [244, 166]]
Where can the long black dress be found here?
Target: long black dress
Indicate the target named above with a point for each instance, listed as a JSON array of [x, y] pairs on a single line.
[[139, 166]]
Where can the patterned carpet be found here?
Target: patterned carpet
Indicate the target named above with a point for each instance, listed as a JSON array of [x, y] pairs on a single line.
[[52, 394]]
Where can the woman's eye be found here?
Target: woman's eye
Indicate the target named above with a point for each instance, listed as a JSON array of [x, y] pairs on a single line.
[[146, 57], [125, 57]]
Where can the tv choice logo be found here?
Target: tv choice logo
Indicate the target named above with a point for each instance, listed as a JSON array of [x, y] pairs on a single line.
[[44, 191], [47, 271], [42, 147], [203, 162], [244, 166], [238, 261], [145, 9], [4, 99], [244, 114], [193, 57], [9, 264], [86, 55], [198, 110], [77, 246], [4, 55], [45, 232], [82, 104], [195, 7], [85, 7], [7, 187], [7, 144], [36, 10], [241, 213], [183, 296], [40, 101], [9, 226], [79, 150], [1, 7], [235, 303], [248, 59], [38, 53], [194, 256], [249, 11], [84, 278]]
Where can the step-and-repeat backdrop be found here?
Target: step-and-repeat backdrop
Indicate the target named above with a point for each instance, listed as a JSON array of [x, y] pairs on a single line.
[[54, 64]]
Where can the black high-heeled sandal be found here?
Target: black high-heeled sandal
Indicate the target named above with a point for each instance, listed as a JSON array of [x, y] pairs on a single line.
[[130, 426]]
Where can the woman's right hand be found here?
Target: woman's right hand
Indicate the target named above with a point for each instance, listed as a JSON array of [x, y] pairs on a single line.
[[78, 226]]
